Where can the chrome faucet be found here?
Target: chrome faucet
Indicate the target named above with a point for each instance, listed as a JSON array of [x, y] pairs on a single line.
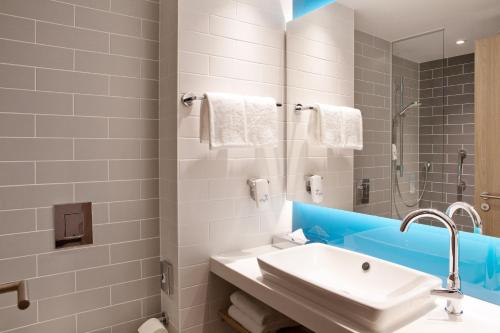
[[452, 293], [469, 209]]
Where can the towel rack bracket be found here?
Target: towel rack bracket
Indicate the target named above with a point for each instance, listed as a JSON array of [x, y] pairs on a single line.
[[188, 99]]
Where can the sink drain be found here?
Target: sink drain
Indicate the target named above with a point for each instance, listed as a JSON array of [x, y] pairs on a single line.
[[365, 266]]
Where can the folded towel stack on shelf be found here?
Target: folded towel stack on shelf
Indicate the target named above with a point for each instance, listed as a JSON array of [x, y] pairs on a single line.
[[255, 316]]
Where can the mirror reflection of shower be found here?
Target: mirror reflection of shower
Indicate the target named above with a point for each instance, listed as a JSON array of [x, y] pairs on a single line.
[[417, 123], [401, 116], [398, 147]]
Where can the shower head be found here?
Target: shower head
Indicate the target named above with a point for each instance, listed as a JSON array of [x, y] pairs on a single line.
[[427, 166], [409, 106]]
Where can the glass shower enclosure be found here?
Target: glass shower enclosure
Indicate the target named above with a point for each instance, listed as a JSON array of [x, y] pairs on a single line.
[[417, 124]]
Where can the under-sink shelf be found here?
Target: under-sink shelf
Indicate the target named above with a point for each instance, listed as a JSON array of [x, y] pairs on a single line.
[[240, 329]]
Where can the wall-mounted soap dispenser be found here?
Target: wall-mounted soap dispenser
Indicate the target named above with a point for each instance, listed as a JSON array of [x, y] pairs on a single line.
[[259, 191], [314, 186], [73, 224]]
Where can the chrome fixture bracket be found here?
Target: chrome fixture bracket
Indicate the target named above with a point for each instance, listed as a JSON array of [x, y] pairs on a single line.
[[21, 287], [167, 277], [164, 319]]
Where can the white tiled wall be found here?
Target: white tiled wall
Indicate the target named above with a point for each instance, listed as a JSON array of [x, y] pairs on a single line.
[[79, 121], [224, 46], [320, 69]]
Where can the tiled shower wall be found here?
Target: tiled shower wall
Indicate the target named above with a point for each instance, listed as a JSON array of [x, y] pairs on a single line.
[[372, 63], [409, 182], [78, 122], [445, 129]]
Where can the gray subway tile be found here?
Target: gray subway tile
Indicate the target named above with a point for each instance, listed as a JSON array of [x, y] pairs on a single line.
[[92, 320], [134, 47], [97, 4], [30, 54], [107, 149], [16, 221], [66, 325], [138, 8], [14, 269], [71, 37], [16, 173], [108, 275], [150, 267], [116, 232], [133, 128], [106, 21], [12, 317], [61, 306], [71, 82], [17, 245], [105, 106], [134, 250], [17, 28], [22, 101], [72, 127], [134, 290], [107, 64], [53, 285], [16, 125], [74, 259], [44, 10], [31, 196], [71, 171], [19, 77]]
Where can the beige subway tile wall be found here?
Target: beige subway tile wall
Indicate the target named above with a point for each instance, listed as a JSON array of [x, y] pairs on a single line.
[[319, 70], [223, 46], [79, 121]]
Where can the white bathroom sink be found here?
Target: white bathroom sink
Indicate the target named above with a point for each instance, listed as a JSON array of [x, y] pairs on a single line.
[[380, 298]]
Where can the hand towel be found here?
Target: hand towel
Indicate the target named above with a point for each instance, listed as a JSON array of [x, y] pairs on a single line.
[[262, 121], [253, 308], [255, 327], [329, 125], [223, 121], [353, 128], [338, 126]]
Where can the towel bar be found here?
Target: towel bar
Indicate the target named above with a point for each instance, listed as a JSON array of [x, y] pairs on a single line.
[[188, 98], [300, 107]]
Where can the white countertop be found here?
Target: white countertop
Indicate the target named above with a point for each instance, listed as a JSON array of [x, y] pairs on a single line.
[[242, 270]]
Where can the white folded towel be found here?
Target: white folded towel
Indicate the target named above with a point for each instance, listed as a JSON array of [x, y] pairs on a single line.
[[353, 128], [329, 125], [338, 126], [262, 121], [255, 309], [228, 120], [223, 121], [255, 327]]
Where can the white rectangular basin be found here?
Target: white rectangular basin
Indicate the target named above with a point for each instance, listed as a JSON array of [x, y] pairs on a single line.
[[378, 295]]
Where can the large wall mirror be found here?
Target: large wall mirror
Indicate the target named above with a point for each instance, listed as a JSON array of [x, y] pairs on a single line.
[[429, 103]]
